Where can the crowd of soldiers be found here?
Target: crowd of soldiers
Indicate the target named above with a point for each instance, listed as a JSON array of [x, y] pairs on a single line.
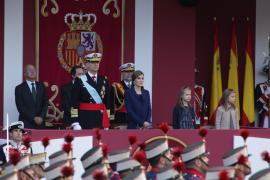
[[157, 158]]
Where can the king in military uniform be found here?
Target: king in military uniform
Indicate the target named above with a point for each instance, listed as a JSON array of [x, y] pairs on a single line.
[[90, 97], [118, 92]]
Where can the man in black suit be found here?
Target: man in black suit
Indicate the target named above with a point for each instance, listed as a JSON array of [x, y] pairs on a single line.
[[66, 91], [118, 94], [31, 100], [90, 97]]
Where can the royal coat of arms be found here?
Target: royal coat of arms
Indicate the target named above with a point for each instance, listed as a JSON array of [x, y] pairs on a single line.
[[79, 41]]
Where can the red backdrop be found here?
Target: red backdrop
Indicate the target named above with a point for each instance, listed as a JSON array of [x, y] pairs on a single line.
[[173, 55], [52, 26]]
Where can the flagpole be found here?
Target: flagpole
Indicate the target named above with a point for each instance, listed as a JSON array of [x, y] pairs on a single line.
[[7, 157]]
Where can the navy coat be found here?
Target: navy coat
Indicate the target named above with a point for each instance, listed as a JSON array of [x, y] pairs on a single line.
[[138, 108]]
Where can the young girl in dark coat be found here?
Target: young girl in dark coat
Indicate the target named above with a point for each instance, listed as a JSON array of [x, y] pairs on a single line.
[[183, 113]]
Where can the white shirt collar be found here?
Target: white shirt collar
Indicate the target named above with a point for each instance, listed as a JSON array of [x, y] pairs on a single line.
[[29, 83], [14, 144], [91, 75], [128, 83]]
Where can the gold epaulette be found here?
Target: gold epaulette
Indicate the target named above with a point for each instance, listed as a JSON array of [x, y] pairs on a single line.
[[74, 112]]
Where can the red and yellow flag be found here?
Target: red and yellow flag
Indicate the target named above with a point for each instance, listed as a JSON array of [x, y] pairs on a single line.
[[216, 89], [248, 97], [233, 71]]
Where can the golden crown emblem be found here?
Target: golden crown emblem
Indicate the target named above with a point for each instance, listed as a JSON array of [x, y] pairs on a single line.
[[81, 22]]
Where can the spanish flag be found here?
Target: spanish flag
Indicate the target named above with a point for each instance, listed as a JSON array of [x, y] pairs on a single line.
[[248, 97], [216, 89], [233, 69]]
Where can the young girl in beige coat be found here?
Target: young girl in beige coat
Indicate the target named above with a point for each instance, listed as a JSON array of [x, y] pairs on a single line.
[[226, 117]]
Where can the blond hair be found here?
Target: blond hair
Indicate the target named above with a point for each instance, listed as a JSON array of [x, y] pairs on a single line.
[[224, 99], [180, 97]]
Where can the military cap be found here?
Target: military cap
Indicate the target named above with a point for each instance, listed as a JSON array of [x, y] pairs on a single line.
[[58, 156], [127, 67], [93, 57], [54, 170], [91, 157], [136, 175], [118, 155], [22, 164], [38, 158], [127, 164], [167, 172], [213, 173], [16, 125], [261, 175], [88, 174], [194, 151], [156, 148], [230, 158]]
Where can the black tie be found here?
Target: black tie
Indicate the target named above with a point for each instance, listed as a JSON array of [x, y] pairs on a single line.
[[34, 92], [129, 85]]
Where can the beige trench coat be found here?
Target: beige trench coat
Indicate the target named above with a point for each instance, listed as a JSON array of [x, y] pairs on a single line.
[[223, 118]]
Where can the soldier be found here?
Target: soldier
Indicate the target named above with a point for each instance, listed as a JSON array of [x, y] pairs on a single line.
[[261, 175], [242, 167], [215, 172], [199, 105], [90, 97], [262, 101], [154, 151], [16, 131], [196, 160], [118, 92]]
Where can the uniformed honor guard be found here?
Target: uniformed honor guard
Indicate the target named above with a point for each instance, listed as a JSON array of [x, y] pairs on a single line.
[[118, 92], [199, 105], [90, 97], [263, 174], [196, 160], [262, 92], [154, 151], [215, 173], [16, 131], [233, 159]]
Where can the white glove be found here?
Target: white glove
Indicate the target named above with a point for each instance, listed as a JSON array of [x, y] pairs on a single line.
[[76, 126], [267, 91]]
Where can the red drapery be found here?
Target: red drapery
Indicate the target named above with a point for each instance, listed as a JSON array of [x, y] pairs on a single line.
[[60, 47]]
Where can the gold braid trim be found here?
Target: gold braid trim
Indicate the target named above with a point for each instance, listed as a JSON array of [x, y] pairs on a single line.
[[119, 88]]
